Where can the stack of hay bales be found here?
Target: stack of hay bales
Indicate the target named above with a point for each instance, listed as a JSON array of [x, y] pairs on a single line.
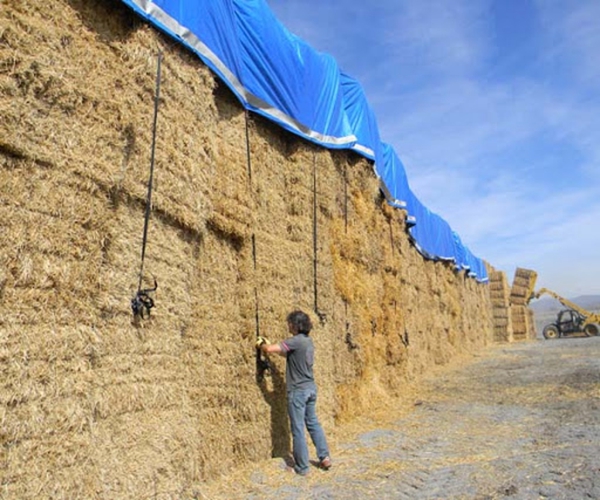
[[512, 318], [500, 294], [520, 294], [93, 405]]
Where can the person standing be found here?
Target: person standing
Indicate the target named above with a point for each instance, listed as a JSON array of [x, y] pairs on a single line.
[[299, 351]]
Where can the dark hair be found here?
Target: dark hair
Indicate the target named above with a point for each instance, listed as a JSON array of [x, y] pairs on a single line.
[[300, 321]]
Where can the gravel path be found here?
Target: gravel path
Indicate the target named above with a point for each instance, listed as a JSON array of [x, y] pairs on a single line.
[[519, 421]]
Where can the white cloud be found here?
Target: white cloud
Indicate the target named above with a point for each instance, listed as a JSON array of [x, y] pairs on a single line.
[[512, 164]]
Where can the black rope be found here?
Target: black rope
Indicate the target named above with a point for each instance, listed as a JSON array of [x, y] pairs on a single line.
[[142, 302], [256, 310], [248, 160], [348, 339], [262, 362], [319, 313], [315, 284], [345, 196]]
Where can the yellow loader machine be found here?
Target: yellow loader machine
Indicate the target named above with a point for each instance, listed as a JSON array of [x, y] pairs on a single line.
[[572, 320]]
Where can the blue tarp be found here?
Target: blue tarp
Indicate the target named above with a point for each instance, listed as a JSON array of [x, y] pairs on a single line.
[[438, 243], [278, 75], [393, 175]]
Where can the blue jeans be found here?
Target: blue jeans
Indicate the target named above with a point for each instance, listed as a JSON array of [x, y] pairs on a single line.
[[302, 411]]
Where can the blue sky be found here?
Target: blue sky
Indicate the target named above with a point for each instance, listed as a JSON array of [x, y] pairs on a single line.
[[493, 106]]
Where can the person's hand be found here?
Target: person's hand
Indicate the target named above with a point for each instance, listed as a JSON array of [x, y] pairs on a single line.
[[260, 341]]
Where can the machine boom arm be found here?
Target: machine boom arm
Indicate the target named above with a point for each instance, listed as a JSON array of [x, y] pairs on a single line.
[[589, 317]]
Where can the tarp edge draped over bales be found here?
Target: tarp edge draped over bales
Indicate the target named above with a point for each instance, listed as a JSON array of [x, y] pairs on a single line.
[[276, 74]]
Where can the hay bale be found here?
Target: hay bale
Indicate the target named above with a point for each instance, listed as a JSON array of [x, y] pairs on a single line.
[[523, 324], [523, 286], [500, 299]]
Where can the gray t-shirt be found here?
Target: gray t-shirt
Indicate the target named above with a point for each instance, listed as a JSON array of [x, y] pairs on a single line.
[[300, 353]]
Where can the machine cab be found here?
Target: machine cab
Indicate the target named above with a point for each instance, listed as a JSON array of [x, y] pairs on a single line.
[[569, 321]]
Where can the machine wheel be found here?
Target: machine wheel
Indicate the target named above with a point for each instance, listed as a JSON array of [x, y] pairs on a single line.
[[591, 330], [551, 332]]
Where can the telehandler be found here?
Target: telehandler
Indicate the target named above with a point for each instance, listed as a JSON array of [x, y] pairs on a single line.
[[572, 320]]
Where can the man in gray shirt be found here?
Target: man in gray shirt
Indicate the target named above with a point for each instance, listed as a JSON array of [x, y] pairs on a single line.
[[299, 351]]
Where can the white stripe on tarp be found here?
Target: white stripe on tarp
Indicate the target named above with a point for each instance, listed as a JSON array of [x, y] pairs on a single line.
[[190, 39]]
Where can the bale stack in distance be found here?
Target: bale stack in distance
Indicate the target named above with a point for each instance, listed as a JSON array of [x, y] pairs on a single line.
[[94, 405], [501, 313], [523, 329], [522, 317]]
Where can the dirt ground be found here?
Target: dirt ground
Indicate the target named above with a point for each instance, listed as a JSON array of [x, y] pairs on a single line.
[[518, 421]]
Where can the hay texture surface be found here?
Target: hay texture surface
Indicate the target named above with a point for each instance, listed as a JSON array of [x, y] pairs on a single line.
[[94, 405], [523, 286], [522, 316], [500, 298]]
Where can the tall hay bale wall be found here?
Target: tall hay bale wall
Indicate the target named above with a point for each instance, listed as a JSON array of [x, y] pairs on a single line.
[[95, 406]]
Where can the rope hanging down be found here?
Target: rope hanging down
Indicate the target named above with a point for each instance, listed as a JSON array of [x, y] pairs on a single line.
[[142, 302], [346, 197], [321, 315], [262, 362], [248, 162]]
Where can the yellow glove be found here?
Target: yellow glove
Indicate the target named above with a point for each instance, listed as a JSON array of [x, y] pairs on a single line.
[[260, 341]]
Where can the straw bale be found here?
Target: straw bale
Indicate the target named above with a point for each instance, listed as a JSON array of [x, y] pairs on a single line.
[[519, 313], [498, 285], [498, 281], [523, 286], [523, 326], [521, 281], [500, 296], [527, 274], [518, 299]]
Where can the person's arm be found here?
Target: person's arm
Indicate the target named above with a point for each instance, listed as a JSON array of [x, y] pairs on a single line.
[[272, 349]]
